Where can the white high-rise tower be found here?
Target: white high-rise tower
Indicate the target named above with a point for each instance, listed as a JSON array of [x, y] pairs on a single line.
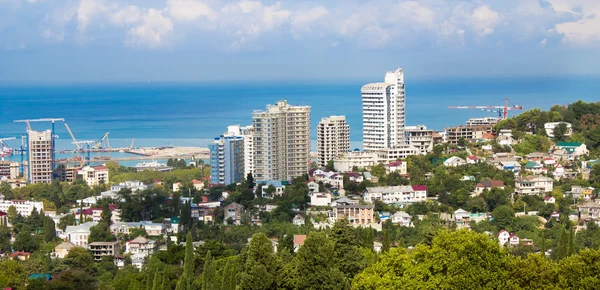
[[384, 112]]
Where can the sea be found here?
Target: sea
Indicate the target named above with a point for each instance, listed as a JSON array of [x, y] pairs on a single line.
[[193, 114]]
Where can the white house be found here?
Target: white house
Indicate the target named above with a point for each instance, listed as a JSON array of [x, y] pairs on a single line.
[[176, 186], [396, 194], [397, 166], [278, 185], [94, 175], [402, 219], [461, 218], [549, 127], [454, 161], [298, 220], [505, 237], [320, 199], [23, 207], [574, 149], [140, 247], [78, 235], [549, 199], [531, 185], [488, 184], [313, 186], [62, 250], [559, 171]]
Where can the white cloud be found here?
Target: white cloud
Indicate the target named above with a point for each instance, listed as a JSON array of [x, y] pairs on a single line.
[[87, 10], [190, 10], [585, 29], [544, 42], [483, 20], [151, 31], [127, 15], [414, 12], [53, 28], [303, 20]]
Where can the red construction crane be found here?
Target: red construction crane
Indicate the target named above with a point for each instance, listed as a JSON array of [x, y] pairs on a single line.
[[501, 110]]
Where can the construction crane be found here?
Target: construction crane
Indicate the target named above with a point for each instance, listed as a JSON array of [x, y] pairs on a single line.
[[72, 136], [132, 142], [52, 120], [88, 149], [6, 150], [22, 151], [501, 110], [98, 145]]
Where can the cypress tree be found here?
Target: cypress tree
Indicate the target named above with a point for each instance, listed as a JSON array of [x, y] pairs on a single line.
[[49, 229], [149, 280], [185, 282], [209, 274], [228, 280], [165, 279], [385, 246], [156, 283]]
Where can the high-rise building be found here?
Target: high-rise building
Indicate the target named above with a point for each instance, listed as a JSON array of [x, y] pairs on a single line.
[[247, 133], [384, 112], [40, 156], [281, 141], [333, 138], [227, 159]]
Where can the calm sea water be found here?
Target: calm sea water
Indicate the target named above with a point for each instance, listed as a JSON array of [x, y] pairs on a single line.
[[163, 114]]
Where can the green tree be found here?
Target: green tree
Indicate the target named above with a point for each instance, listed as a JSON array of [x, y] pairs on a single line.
[[49, 229], [25, 242], [12, 214], [165, 279], [67, 220], [580, 271], [262, 267], [209, 274], [504, 216], [347, 254], [156, 284], [5, 235], [532, 272], [313, 268], [229, 281], [329, 166], [13, 274], [385, 246], [187, 278], [560, 131], [79, 258]]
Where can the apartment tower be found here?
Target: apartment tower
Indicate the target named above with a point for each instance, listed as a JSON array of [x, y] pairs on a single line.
[[384, 112], [40, 156], [333, 138], [281, 141], [227, 159]]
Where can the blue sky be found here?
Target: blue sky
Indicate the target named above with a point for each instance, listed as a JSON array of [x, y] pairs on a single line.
[[209, 40]]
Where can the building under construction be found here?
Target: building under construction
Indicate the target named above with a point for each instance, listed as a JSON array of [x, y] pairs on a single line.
[[40, 156]]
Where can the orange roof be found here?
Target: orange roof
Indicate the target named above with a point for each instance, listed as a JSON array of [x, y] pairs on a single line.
[[487, 136], [299, 240]]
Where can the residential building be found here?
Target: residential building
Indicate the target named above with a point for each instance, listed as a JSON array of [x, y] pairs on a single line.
[[62, 250], [313, 186], [23, 256], [23, 207], [234, 212], [40, 156], [320, 199], [67, 173], [534, 167], [101, 249], [503, 237], [298, 220], [95, 213], [247, 133], [472, 159], [133, 185], [281, 141], [357, 159], [398, 195], [79, 234], [277, 185], [402, 219], [298, 242], [485, 121], [152, 229], [356, 214], [9, 170], [420, 137], [454, 161], [549, 199], [94, 175], [140, 246], [530, 185], [227, 160], [396, 166], [488, 184], [573, 149], [549, 127], [469, 133], [333, 138], [384, 112], [589, 211], [584, 193]]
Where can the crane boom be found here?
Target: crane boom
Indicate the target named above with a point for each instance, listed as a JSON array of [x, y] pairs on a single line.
[[502, 110], [72, 136]]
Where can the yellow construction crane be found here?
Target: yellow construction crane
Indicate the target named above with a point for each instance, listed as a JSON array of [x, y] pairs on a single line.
[[73, 137], [98, 145]]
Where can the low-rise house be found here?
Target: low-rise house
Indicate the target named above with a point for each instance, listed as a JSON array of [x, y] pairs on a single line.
[[513, 166], [505, 140], [298, 220], [320, 199], [377, 247], [549, 161], [234, 212], [278, 186], [534, 167], [505, 237], [204, 214], [140, 247], [79, 234], [589, 211], [454, 161], [574, 149], [62, 250], [20, 256], [176, 186], [527, 242], [94, 175], [313, 186], [549, 127], [174, 225], [513, 240], [559, 171], [344, 201], [396, 166], [356, 214], [472, 159], [101, 249], [298, 242], [355, 177], [488, 184], [152, 229], [549, 199], [198, 184], [531, 185], [461, 218], [399, 195], [584, 193], [95, 213], [402, 219]]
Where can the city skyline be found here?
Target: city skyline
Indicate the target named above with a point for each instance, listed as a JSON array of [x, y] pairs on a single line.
[[194, 40]]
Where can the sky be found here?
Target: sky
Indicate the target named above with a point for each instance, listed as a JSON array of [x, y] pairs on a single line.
[[46, 41]]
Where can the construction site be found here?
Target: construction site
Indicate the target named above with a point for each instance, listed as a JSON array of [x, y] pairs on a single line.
[[38, 153]]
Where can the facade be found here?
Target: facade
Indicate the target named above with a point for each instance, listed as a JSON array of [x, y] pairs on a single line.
[[454, 161], [421, 138], [486, 121], [384, 112], [23, 207], [247, 133], [101, 249], [298, 220], [356, 214], [360, 159], [488, 184], [9, 170], [531, 185], [227, 160], [402, 219], [281, 141], [320, 199], [549, 127], [94, 175], [589, 211], [40, 156], [333, 138], [469, 133], [79, 235], [397, 166], [399, 195], [140, 246], [62, 250], [234, 211]]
